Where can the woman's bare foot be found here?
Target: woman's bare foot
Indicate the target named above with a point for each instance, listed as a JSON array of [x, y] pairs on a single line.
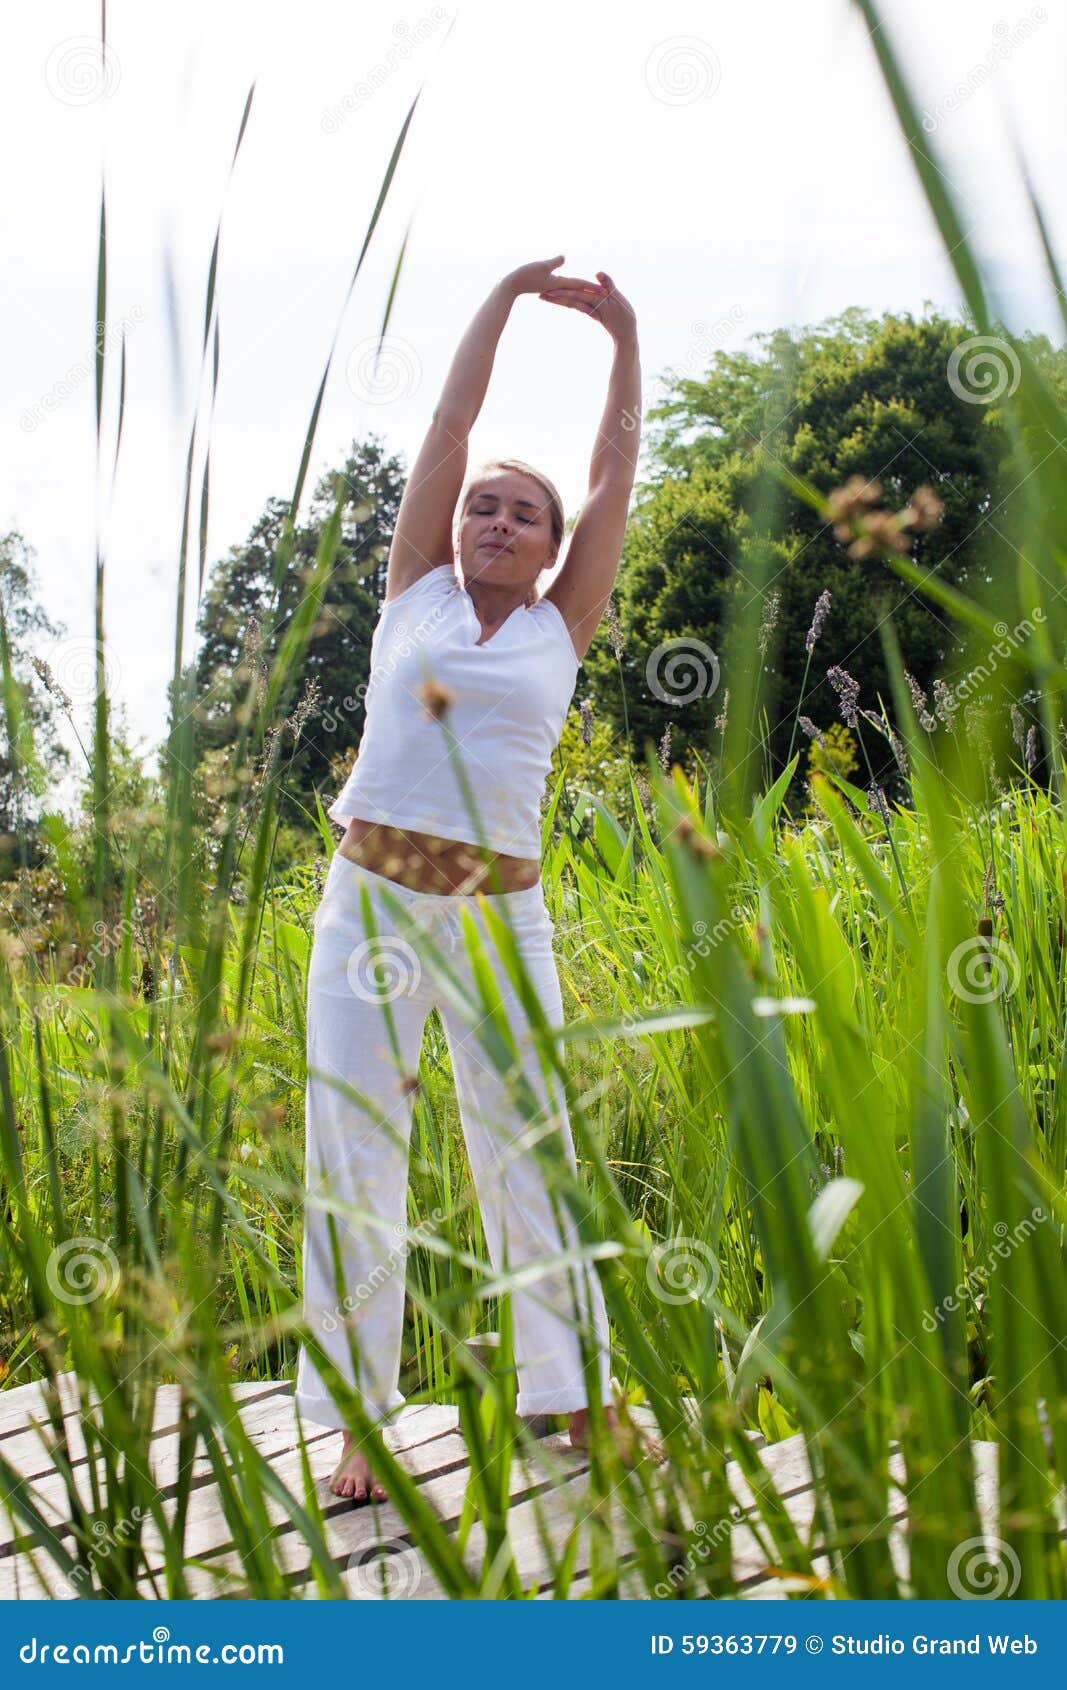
[[632, 1443], [352, 1476]]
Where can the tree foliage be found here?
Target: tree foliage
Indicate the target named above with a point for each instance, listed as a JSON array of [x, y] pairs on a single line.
[[718, 523], [244, 616], [31, 750]]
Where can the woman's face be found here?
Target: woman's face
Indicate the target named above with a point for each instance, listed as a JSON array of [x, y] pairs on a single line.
[[505, 534]]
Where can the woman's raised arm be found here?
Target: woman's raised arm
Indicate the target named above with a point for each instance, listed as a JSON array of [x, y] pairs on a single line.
[[422, 538], [582, 587]]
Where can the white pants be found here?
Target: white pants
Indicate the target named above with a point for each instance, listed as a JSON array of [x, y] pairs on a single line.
[[358, 984]]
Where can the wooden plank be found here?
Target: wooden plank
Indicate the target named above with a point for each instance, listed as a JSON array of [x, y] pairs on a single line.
[[787, 1463], [549, 1493], [271, 1426], [20, 1405], [20, 1402], [262, 1416], [28, 1577], [441, 1467], [429, 1445], [29, 1448], [422, 1425]]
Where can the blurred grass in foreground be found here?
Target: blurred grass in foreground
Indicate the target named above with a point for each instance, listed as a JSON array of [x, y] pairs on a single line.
[[815, 1075]]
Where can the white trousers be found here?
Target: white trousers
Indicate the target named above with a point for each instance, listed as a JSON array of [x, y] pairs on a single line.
[[369, 993]]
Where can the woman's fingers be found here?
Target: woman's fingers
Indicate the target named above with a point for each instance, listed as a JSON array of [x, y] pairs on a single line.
[[576, 290], [572, 301], [575, 282], [603, 301]]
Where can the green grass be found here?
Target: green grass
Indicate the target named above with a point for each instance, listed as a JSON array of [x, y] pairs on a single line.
[[821, 1139]]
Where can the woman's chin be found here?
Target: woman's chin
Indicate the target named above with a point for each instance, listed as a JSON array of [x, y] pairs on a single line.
[[487, 569]]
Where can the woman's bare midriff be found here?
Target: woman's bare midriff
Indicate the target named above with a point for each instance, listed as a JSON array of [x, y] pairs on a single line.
[[427, 863]]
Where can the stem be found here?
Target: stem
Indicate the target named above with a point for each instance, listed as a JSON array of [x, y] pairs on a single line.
[[796, 713], [885, 821]]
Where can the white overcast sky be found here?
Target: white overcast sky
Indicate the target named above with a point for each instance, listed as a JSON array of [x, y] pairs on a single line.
[[734, 168]]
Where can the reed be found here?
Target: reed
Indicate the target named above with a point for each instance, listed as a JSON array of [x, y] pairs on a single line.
[[815, 1070]]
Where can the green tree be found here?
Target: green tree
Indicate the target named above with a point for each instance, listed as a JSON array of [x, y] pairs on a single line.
[[855, 395], [32, 755], [244, 615]]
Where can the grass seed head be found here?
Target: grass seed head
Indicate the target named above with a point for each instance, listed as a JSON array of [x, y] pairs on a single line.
[[698, 843], [435, 697]]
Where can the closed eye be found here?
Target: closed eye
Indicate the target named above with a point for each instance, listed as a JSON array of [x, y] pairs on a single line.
[[487, 510]]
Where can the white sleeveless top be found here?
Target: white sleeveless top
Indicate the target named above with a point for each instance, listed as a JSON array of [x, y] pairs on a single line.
[[508, 702]]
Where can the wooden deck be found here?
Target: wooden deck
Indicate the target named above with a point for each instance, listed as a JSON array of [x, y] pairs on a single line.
[[545, 1490]]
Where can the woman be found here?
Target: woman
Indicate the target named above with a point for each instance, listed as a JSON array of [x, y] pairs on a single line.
[[468, 693]]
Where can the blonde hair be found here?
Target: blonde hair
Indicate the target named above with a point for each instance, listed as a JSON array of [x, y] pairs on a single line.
[[555, 503]]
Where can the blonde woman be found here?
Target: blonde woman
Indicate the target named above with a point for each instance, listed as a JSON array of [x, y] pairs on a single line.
[[481, 654]]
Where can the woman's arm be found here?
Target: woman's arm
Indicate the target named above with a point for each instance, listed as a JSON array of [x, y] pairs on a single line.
[[422, 538], [618, 439], [467, 381], [583, 585]]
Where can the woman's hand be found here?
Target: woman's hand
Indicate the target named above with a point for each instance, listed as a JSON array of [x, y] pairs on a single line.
[[604, 302], [534, 278]]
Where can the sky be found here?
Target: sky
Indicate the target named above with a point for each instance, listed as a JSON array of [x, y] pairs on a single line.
[[734, 169]]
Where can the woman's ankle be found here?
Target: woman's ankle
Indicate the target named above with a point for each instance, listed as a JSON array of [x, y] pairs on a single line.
[[579, 1417]]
